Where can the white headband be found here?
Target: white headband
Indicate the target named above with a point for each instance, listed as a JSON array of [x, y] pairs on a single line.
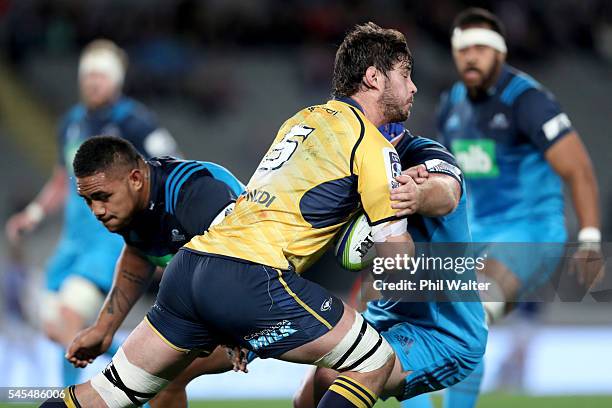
[[102, 61], [477, 36]]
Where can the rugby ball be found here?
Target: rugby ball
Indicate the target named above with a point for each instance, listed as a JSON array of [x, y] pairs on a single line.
[[355, 247]]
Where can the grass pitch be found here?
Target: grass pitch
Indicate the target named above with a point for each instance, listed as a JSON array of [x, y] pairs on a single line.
[[486, 401]]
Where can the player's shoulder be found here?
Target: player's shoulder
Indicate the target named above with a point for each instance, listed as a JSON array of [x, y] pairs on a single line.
[[412, 143], [166, 164], [520, 87], [74, 114], [456, 94], [130, 112], [346, 118], [179, 176]]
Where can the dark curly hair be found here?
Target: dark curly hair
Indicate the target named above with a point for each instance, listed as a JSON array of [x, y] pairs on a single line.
[[367, 45]]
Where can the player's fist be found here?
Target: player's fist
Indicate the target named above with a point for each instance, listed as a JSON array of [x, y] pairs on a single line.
[[589, 267], [87, 345], [407, 197], [418, 173], [19, 224]]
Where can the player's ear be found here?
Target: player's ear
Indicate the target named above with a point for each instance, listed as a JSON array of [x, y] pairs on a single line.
[[136, 179], [371, 78]]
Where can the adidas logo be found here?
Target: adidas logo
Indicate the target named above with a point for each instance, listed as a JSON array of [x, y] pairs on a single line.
[[499, 121]]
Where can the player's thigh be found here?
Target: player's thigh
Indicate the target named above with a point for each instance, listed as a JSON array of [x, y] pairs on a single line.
[[265, 310], [174, 316], [317, 347], [147, 351], [217, 362]]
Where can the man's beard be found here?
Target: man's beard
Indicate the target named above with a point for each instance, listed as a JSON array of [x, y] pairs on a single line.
[[487, 81], [391, 108]]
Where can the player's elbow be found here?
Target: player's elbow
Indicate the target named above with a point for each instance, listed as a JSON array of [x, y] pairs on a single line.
[[447, 201], [448, 205]]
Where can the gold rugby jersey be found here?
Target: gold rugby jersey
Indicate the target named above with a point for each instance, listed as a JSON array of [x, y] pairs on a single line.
[[326, 163]]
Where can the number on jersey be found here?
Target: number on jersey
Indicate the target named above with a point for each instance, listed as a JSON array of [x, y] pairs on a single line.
[[283, 150]]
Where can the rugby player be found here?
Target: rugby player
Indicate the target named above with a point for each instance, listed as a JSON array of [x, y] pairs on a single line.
[[436, 344], [516, 147], [80, 272], [326, 163], [157, 206]]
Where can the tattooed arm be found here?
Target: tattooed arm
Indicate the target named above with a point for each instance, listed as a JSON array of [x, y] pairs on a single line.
[[133, 274]]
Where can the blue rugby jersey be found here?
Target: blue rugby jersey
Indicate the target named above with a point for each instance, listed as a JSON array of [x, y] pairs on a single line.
[[499, 141], [463, 321], [186, 196]]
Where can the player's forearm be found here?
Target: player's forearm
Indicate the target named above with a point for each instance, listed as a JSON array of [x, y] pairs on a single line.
[[53, 194], [585, 195], [132, 276], [439, 196]]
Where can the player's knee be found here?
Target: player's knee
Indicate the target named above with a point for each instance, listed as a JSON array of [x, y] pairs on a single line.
[[122, 384], [362, 350]]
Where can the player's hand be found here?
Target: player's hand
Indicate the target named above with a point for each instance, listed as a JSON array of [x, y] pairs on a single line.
[[407, 197], [19, 224], [87, 345], [589, 267], [418, 173], [238, 357]]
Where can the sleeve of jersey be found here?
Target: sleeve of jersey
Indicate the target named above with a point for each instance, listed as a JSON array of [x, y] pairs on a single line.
[[539, 116], [435, 157], [199, 201], [376, 166]]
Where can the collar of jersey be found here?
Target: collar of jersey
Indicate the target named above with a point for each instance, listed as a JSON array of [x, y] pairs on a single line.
[[350, 101], [155, 183], [501, 81], [104, 112]]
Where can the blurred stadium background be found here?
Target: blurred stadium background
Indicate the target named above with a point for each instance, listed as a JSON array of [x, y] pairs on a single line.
[[222, 75]]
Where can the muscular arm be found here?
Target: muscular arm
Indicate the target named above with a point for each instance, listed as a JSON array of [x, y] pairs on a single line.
[[133, 274], [569, 158]]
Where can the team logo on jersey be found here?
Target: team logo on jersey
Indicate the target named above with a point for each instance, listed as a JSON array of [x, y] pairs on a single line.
[[393, 166], [476, 157], [499, 121], [327, 305], [404, 342], [177, 236], [266, 337]]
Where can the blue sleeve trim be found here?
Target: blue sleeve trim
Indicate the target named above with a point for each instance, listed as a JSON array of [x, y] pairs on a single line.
[[182, 180], [172, 179], [122, 110], [516, 87], [457, 93], [222, 174]]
